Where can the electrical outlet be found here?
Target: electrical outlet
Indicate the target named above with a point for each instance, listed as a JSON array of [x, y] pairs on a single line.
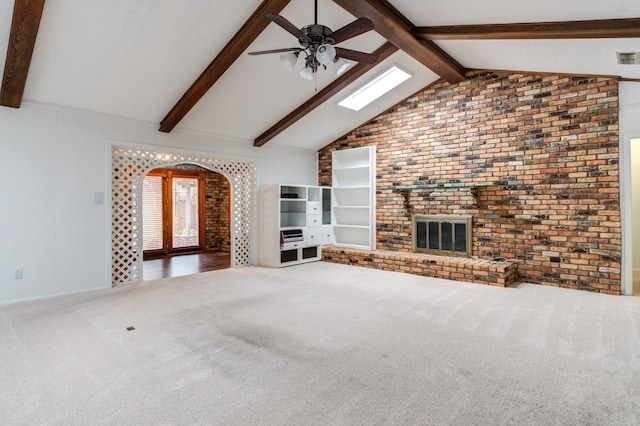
[[17, 274]]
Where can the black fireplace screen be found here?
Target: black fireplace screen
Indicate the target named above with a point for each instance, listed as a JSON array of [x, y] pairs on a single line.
[[448, 235]]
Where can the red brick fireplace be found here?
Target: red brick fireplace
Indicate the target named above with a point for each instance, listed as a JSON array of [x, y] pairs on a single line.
[[532, 158]]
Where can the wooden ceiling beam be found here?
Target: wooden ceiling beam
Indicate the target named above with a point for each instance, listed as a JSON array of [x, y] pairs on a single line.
[[229, 54], [22, 40], [325, 94], [604, 28], [396, 28]]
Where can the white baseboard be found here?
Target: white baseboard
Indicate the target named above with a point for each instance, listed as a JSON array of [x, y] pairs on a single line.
[[50, 296]]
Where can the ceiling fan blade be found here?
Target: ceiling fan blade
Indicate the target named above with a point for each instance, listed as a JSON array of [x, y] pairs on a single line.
[[288, 26], [357, 27], [286, 49], [354, 55]]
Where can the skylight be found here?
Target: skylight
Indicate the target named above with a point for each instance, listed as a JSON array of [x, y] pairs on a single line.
[[377, 87]]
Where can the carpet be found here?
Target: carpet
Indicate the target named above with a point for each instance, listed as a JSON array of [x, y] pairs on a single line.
[[320, 344]]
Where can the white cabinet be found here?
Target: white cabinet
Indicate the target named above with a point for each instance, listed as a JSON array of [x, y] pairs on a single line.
[[291, 223], [297, 220], [354, 197]]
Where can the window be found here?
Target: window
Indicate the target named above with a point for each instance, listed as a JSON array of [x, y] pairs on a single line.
[[377, 87], [152, 218], [185, 213]]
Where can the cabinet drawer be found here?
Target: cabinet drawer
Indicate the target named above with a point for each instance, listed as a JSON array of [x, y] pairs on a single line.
[[312, 236], [314, 207], [291, 246], [314, 220]]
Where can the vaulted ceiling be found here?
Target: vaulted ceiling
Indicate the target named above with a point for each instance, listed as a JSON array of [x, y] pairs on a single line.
[[183, 65]]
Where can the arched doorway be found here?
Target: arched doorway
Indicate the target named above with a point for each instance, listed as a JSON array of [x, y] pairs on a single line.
[[186, 221], [131, 165]]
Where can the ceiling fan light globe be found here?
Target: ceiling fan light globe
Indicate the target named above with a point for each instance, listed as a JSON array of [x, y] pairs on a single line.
[[289, 60], [307, 73], [341, 66], [325, 54]]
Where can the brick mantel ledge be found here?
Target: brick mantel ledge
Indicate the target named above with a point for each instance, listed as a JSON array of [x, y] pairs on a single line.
[[501, 274]]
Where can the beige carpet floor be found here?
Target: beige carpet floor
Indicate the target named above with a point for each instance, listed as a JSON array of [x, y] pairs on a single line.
[[321, 344]]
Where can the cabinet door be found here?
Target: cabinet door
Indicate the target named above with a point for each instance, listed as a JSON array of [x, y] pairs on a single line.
[[328, 236], [326, 206]]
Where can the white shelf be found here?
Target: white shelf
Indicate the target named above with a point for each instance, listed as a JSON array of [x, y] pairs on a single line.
[[353, 196], [297, 206], [355, 157], [293, 220], [366, 166], [314, 194], [352, 177], [353, 215], [295, 192], [352, 236], [351, 245], [353, 205], [287, 228]]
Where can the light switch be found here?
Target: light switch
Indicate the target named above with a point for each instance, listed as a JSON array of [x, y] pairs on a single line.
[[98, 197]]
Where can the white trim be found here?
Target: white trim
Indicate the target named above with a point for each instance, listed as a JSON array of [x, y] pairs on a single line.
[[109, 215], [53, 296], [626, 285]]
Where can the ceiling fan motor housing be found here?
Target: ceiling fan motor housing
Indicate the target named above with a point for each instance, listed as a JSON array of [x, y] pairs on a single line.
[[318, 35]]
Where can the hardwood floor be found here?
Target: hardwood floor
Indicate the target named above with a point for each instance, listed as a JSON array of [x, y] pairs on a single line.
[[187, 264]]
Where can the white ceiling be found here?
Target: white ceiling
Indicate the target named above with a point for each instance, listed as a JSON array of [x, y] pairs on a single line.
[[136, 58]]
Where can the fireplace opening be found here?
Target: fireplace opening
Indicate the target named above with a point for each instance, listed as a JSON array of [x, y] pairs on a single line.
[[445, 235]]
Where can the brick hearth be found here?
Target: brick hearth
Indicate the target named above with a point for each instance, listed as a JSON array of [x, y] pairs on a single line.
[[501, 274]]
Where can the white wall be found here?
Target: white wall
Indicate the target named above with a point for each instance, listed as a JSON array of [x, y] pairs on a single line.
[[629, 129], [52, 160]]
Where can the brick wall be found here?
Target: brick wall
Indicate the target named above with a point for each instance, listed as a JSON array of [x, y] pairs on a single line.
[[548, 147], [218, 212]]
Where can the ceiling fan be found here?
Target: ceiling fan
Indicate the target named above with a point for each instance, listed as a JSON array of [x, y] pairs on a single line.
[[317, 42]]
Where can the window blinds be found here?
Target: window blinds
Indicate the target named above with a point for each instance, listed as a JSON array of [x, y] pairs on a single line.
[[152, 213]]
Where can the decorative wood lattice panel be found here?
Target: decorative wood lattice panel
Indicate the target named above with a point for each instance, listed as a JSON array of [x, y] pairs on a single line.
[[129, 166]]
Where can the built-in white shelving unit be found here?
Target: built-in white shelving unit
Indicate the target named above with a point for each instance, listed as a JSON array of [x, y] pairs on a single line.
[[294, 224], [297, 220], [354, 197]]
